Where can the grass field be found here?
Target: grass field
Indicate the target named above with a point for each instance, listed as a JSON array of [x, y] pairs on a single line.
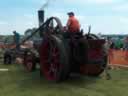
[[17, 82]]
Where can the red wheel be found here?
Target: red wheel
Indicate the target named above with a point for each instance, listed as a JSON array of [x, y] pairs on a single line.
[[53, 57], [29, 62]]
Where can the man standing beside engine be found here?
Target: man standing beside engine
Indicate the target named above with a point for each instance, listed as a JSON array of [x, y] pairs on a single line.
[[16, 39]]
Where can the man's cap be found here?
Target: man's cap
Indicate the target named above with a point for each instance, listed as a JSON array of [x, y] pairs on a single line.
[[70, 13]]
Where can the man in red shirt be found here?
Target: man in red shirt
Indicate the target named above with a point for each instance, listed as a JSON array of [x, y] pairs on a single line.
[[73, 24]]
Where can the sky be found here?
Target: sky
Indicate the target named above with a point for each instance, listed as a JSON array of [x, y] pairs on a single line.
[[105, 16]]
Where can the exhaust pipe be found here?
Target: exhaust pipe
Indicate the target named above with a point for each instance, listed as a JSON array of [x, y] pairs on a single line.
[[41, 17]]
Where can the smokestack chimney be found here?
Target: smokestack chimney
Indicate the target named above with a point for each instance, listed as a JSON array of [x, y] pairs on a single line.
[[41, 17]]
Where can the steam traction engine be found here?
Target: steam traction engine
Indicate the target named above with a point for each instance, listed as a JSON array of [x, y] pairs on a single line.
[[62, 53]]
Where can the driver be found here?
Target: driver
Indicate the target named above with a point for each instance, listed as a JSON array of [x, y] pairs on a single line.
[[72, 23]]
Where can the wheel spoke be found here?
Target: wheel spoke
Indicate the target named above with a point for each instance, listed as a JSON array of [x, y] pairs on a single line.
[[52, 61]]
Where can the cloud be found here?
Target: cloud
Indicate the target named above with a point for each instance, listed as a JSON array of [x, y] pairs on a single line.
[[28, 16], [3, 23], [68, 1], [101, 1], [19, 23], [98, 13], [124, 20], [91, 1], [121, 8]]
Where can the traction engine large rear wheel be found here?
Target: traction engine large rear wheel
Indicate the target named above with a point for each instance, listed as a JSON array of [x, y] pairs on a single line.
[[53, 52], [53, 59]]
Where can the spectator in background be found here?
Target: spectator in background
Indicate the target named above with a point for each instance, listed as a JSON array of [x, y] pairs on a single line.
[[125, 47], [16, 39], [107, 45], [110, 43], [118, 44]]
